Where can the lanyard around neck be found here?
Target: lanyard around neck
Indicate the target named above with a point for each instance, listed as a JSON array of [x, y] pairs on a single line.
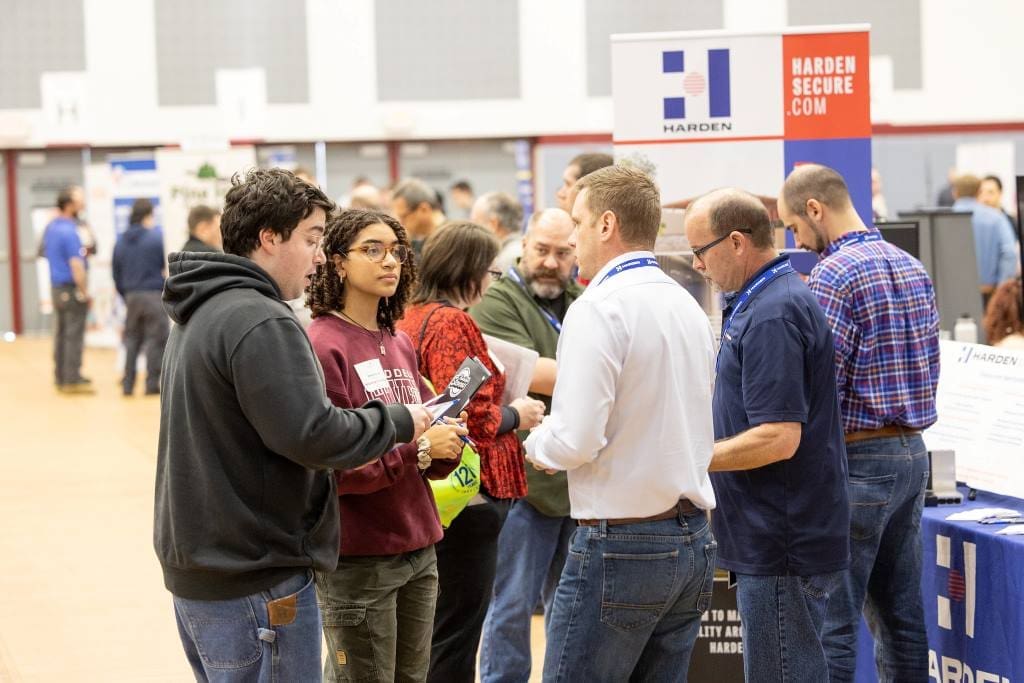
[[753, 290], [552, 320], [645, 262]]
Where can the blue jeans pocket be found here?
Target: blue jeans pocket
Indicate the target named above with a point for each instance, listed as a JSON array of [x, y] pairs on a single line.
[[708, 584], [869, 502], [225, 632], [636, 587]]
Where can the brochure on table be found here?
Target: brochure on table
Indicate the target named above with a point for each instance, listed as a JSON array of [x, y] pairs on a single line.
[[981, 415]]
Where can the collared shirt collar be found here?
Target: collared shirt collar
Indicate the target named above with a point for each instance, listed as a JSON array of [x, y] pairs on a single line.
[[833, 247], [731, 296], [622, 258]]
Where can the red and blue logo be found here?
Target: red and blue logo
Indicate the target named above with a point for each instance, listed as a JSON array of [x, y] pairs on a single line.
[[716, 84]]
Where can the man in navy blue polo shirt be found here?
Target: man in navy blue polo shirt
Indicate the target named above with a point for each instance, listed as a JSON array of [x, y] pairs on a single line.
[[69, 281], [779, 463]]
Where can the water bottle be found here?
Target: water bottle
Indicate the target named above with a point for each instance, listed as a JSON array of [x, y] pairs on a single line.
[[965, 330]]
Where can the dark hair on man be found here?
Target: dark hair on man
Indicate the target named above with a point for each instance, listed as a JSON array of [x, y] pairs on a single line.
[[995, 179], [141, 209], [462, 185], [733, 209], [438, 204], [326, 292], [815, 182], [454, 262], [588, 162], [966, 186], [266, 198], [631, 195], [200, 213], [414, 192], [506, 209], [64, 196]]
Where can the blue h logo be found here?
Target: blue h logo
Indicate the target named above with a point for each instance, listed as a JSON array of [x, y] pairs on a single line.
[[720, 104]]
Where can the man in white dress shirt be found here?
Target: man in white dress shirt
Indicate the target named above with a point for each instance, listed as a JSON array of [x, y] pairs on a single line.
[[631, 423]]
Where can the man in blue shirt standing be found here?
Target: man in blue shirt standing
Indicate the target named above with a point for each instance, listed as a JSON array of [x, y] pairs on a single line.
[[880, 304], [779, 462], [139, 268], [70, 291], [995, 244]]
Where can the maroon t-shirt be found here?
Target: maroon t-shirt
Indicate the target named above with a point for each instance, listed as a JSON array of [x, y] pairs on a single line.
[[386, 506]]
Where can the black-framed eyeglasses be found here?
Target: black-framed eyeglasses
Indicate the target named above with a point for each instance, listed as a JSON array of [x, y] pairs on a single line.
[[377, 252], [699, 252], [495, 275]]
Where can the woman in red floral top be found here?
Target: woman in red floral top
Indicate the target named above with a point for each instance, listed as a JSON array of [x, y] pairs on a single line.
[[455, 271]]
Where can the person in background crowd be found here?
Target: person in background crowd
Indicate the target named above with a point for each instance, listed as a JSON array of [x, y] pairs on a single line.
[[378, 605], [946, 197], [203, 230], [245, 505], [527, 307], [879, 208], [365, 196], [581, 165], [631, 424], [779, 465], [69, 280], [503, 215], [990, 193], [880, 304], [413, 204], [138, 269], [461, 193], [1004, 319], [995, 244], [305, 175], [454, 273]]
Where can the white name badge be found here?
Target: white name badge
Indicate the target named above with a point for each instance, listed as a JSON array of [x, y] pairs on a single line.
[[371, 374]]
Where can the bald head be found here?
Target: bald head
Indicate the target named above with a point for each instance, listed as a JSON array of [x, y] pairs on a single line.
[[550, 223], [729, 209], [817, 182]]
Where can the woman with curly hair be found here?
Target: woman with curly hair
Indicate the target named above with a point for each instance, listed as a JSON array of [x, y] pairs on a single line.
[[456, 268], [378, 606], [1003, 323]]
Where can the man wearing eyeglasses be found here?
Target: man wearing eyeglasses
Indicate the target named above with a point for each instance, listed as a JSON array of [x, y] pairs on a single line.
[[779, 463], [527, 308], [880, 303]]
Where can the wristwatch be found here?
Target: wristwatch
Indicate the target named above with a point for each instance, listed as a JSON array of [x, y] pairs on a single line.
[[423, 452]]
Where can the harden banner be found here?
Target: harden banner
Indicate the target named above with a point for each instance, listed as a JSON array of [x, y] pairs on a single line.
[[714, 108]]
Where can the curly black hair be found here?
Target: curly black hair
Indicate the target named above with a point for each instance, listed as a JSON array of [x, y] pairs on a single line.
[[266, 198], [326, 292]]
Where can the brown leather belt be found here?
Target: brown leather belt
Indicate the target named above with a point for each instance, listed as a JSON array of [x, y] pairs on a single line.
[[684, 506], [880, 433]]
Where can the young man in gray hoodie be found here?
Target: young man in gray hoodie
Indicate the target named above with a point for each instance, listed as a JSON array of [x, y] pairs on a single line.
[[245, 504]]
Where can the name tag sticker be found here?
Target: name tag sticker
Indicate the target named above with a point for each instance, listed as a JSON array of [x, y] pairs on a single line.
[[371, 374]]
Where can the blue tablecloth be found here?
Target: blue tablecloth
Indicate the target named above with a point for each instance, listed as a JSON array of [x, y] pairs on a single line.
[[973, 587]]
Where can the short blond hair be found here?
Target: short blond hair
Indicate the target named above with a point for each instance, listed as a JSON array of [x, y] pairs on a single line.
[[631, 195]]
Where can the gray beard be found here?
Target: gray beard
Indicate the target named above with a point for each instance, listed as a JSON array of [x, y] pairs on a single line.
[[545, 291]]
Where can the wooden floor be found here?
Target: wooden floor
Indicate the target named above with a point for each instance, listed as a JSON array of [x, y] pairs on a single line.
[[81, 595]]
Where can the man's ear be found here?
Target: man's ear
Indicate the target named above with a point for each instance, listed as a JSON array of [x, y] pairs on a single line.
[[608, 223], [814, 209], [268, 239]]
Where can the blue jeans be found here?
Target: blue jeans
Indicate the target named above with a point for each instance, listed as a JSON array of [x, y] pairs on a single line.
[[782, 620], [629, 604], [273, 635], [531, 553], [887, 482]]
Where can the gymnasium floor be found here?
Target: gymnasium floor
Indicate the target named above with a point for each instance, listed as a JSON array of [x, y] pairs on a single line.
[[81, 596]]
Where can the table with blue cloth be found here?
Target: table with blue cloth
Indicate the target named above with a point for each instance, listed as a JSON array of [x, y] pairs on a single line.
[[972, 582]]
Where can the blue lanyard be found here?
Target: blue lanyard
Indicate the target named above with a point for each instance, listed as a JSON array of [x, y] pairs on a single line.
[[552, 320], [861, 237], [746, 295], [645, 262]]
